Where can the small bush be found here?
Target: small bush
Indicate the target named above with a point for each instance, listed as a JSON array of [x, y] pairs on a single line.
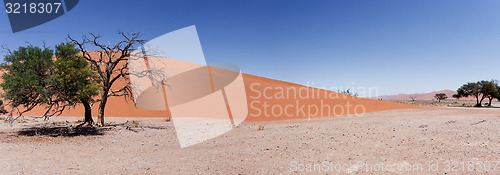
[[261, 127], [135, 123]]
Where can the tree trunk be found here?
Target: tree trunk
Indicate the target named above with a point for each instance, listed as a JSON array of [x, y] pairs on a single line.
[[490, 98], [477, 102], [100, 114], [88, 114], [480, 103]]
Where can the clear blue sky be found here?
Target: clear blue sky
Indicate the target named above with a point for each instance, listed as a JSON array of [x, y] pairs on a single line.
[[398, 46]]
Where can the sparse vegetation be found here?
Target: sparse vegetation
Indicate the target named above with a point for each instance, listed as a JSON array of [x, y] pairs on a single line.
[[413, 98], [480, 90], [261, 127], [490, 89], [349, 92], [440, 96]]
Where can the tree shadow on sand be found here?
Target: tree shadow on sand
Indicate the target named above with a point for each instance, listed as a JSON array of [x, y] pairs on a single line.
[[62, 131]]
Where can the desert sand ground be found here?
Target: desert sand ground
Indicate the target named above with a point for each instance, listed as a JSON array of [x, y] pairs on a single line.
[[405, 139]]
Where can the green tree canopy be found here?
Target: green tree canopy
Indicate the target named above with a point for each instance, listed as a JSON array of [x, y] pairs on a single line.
[[440, 96], [480, 90], [489, 89], [27, 73], [33, 76], [471, 89], [73, 81]]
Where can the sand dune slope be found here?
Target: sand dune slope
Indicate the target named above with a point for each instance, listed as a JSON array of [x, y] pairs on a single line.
[[267, 99]]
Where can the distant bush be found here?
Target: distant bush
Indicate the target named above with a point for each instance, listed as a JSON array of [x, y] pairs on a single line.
[[441, 96], [348, 92]]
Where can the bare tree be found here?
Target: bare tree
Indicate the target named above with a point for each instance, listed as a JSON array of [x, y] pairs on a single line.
[[413, 98], [111, 63]]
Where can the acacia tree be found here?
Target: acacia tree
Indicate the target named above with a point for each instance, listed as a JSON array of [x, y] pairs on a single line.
[[480, 90], [111, 64], [497, 94], [32, 78], [440, 96], [489, 89], [27, 71], [73, 80], [471, 89]]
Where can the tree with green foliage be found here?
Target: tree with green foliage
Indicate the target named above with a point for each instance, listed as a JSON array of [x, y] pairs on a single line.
[[489, 89], [27, 74], [480, 90], [440, 96], [471, 89], [497, 94], [73, 81], [34, 78]]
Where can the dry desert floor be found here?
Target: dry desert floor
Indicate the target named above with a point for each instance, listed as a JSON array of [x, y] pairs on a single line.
[[407, 141]]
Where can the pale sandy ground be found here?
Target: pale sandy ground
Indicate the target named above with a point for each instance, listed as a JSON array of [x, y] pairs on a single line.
[[401, 138]]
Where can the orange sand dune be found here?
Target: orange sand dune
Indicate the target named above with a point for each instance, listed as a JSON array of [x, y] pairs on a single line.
[[268, 99]]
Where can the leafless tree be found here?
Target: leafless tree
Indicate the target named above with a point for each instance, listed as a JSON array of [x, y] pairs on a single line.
[[413, 98], [111, 63]]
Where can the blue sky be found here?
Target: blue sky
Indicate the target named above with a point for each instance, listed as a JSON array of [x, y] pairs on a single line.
[[398, 46]]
